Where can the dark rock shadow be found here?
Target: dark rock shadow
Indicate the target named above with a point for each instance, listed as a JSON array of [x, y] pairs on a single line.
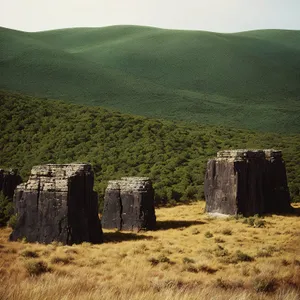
[[118, 236], [296, 211], [175, 224]]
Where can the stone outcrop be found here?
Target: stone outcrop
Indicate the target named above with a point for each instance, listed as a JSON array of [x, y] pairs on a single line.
[[247, 182], [129, 204], [9, 179], [58, 203]]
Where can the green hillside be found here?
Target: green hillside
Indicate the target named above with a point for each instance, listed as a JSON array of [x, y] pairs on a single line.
[[35, 131], [245, 80]]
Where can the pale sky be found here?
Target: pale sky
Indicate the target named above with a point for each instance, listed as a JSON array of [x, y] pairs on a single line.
[[209, 15]]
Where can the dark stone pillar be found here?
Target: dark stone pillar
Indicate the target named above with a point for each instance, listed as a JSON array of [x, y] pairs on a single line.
[[58, 204], [129, 204], [246, 182]]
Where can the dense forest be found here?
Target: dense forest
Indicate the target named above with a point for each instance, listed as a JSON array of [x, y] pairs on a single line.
[[174, 155]]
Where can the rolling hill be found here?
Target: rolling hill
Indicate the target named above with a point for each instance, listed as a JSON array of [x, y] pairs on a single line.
[[245, 80]]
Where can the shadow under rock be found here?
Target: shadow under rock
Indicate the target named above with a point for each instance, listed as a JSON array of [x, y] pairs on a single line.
[[175, 224], [295, 211], [118, 236]]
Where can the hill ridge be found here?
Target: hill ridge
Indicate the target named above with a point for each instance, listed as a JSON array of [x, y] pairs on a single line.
[[240, 80]]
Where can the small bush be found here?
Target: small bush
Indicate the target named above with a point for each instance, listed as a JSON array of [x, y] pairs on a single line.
[[164, 259], [227, 231], [255, 221], [266, 252], [195, 231], [61, 260], [12, 222], [153, 261], [208, 234], [220, 251], [35, 268], [207, 269], [29, 253], [241, 256], [219, 240], [285, 262], [190, 268], [161, 259], [264, 285], [187, 260]]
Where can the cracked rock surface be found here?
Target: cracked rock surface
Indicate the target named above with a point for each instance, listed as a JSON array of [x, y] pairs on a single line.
[[247, 182], [58, 203], [129, 204]]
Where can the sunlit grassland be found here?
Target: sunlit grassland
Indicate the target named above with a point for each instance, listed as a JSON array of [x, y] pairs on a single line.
[[190, 256]]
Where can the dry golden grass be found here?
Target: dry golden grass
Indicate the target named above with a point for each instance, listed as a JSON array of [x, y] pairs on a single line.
[[190, 256]]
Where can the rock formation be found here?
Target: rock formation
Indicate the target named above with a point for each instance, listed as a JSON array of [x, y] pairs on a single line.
[[129, 204], [247, 182], [9, 179], [58, 203]]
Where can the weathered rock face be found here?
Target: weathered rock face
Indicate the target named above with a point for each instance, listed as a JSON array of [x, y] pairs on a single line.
[[129, 204], [58, 203], [247, 182], [9, 179]]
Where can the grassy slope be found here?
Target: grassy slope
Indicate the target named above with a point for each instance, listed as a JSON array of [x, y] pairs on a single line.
[[34, 131], [249, 79], [178, 261]]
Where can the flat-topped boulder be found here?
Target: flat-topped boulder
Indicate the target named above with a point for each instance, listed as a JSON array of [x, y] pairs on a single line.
[[58, 203], [129, 204], [9, 179], [247, 182]]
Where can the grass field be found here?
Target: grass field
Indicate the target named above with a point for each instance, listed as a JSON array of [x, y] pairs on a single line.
[[189, 256], [245, 80]]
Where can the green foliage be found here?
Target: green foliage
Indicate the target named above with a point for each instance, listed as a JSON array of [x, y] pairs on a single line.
[[6, 209], [173, 155], [248, 80], [12, 222]]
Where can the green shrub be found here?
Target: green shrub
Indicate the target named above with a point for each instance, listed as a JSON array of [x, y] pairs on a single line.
[[6, 209], [35, 268], [12, 222]]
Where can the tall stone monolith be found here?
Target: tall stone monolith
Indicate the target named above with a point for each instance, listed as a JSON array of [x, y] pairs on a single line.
[[247, 182], [58, 203]]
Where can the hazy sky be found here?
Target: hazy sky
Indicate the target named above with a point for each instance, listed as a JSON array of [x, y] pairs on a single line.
[[211, 15]]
